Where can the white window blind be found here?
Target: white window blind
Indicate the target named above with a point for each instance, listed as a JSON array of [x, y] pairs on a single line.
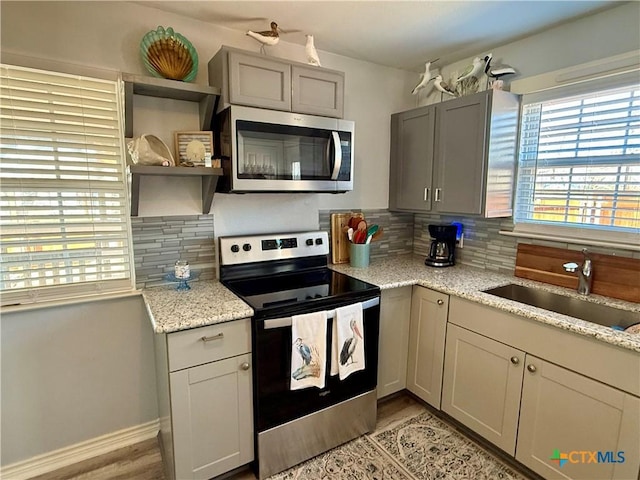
[[579, 162], [63, 198]]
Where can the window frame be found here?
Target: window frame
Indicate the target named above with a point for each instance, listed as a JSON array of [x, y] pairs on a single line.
[[579, 234], [85, 289]]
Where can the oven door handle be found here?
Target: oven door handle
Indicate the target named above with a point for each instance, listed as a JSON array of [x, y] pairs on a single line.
[[286, 321]]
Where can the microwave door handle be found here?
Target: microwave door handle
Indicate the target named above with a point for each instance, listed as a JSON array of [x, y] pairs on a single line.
[[337, 154]]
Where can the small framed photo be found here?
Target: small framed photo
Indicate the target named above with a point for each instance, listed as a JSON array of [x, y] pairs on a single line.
[[194, 148]]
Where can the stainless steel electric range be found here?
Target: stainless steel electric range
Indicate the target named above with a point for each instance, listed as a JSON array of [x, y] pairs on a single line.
[[281, 275]]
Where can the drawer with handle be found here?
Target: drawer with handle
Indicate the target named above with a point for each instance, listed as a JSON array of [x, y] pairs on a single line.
[[207, 344]]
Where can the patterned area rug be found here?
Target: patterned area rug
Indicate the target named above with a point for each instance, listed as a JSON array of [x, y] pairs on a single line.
[[356, 460], [430, 449], [419, 448]]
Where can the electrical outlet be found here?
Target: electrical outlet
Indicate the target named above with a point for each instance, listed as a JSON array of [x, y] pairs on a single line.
[[460, 241]]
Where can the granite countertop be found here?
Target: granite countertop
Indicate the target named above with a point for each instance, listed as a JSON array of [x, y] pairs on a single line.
[[468, 282], [207, 303]]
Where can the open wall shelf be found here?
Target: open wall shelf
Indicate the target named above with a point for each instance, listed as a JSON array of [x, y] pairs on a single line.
[[208, 175]]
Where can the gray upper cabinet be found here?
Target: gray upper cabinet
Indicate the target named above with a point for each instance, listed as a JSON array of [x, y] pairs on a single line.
[[259, 82], [411, 166], [317, 92], [459, 147], [465, 157], [255, 80]]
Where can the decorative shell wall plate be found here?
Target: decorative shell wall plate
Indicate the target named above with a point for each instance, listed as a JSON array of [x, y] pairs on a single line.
[[167, 54]]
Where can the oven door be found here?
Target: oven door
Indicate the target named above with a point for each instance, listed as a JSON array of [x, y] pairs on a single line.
[[275, 403]]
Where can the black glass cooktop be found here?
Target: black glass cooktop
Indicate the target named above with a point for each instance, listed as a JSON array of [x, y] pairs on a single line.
[[289, 293]]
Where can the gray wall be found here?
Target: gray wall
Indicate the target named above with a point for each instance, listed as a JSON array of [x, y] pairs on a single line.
[[73, 373]]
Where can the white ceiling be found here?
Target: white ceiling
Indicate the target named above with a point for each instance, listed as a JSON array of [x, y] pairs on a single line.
[[402, 34]]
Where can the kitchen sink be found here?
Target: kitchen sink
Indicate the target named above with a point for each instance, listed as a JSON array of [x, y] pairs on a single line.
[[573, 307]]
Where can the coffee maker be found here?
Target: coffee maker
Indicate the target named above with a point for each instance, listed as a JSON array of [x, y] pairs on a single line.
[[443, 246]]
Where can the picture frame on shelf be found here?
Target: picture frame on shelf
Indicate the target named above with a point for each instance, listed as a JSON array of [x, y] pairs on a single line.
[[194, 148]]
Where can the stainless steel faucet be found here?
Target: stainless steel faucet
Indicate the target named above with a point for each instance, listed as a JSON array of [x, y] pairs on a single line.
[[585, 273]]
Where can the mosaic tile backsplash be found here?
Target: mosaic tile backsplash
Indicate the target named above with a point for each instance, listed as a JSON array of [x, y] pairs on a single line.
[[159, 241], [397, 238], [484, 247]]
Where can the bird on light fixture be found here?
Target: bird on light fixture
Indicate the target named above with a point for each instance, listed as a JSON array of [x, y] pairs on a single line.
[[424, 77], [442, 87], [473, 70], [266, 37], [310, 50]]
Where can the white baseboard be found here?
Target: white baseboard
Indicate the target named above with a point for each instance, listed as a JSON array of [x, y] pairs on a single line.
[[66, 456]]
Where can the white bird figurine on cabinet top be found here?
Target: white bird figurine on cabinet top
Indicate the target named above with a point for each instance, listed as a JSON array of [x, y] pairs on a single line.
[[473, 70], [441, 87], [267, 37], [424, 77], [496, 72], [310, 50]]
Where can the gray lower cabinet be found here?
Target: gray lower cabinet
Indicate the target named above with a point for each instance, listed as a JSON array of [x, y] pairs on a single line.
[[395, 311], [481, 386], [429, 311], [458, 156], [205, 400], [254, 80], [541, 393], [569, 412]]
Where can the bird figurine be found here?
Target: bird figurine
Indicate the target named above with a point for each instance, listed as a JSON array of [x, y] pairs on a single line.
[[312, 54], [267, 37], [425, 77], [442, 87], [496, 72], [349, 345], [304, 351], [473, 70]]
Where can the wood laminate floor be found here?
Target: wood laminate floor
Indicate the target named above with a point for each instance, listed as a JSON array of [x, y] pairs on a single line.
[[143, 461]]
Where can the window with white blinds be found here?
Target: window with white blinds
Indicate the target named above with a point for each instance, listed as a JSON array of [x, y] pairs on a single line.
[[579, 162], [63, 197]]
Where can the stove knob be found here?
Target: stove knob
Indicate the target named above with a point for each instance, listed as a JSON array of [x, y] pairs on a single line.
[[318, 241], [309, 241], [235, 248], [246, 247]]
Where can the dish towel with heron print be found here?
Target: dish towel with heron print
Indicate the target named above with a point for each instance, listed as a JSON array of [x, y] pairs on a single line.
[[348, 344], [309, 350]]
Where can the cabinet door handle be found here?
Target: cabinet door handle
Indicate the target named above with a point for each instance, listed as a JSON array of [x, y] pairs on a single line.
[[515, 360], [219, 336], [440, 302], [436, 195], [426, 194], [532, 368], [245, 366]]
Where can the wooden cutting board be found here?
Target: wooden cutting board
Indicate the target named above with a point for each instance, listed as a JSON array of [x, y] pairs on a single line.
[[613, 276], [339, 239]]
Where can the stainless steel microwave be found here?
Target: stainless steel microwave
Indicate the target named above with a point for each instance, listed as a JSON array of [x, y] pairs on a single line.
[[271, 151]]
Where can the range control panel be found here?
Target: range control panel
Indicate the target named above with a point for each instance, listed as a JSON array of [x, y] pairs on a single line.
[[274, 246]]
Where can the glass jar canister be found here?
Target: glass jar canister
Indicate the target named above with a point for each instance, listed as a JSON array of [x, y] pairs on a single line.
[[182, 269]]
